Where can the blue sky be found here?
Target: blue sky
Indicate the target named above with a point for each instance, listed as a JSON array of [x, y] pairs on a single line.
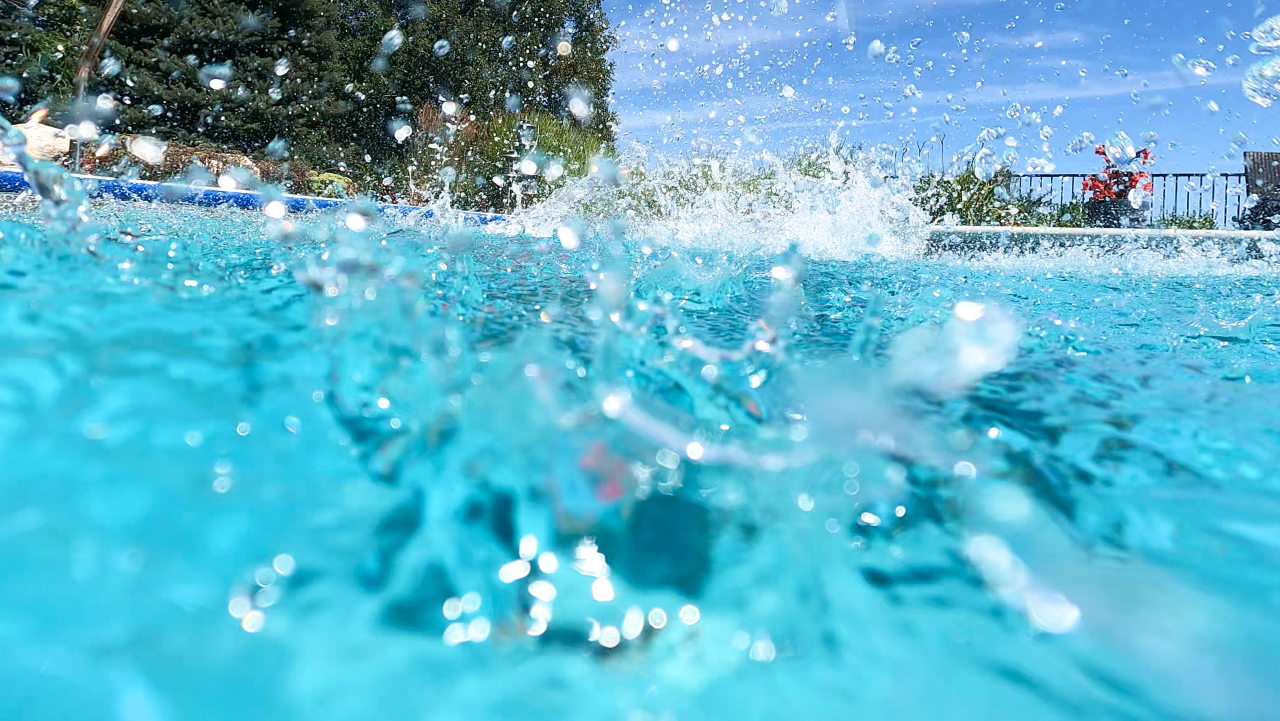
[[769, 73]]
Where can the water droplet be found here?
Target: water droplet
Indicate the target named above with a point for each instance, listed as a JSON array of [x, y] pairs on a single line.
[[788, 91], [441, 48], [282, 67], [508, 42], [985, 165], [1261, 82], [1203, 68], [392, 41], [780, 7], [962, 39], [10, 87], [564, 48], [875, 50], [1266, 36], [673, 45], [109, 67], [448, 174], [277, 149], [147, 149], [1059, 7], [216, 76]]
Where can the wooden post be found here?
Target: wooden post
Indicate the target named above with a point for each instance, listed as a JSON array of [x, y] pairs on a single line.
[[91, 52]]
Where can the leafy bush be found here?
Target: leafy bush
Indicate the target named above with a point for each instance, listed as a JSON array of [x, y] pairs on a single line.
[[969, 200], [1196, 221]]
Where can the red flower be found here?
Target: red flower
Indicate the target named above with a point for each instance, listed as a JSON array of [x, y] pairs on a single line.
[[1113, 182]]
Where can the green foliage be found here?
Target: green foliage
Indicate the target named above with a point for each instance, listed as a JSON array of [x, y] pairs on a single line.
[[40, 47], [1067, 215], [331, 185], [206, 71], [970, 200], [1196, 221], [503, 57]]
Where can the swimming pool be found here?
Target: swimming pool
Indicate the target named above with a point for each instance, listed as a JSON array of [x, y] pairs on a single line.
[[339, 467]]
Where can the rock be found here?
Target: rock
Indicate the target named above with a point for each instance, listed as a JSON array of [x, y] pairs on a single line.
[[44, 142]]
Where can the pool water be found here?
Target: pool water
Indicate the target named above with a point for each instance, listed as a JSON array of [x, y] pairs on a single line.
[[296, 470]]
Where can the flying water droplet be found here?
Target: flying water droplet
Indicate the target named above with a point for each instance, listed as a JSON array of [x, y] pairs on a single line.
[[109, 67], [10, 87], [985, 165], [392, 41], [875, 50], [1203, 68], [962, 39], [1266, 37], [1261, 82], [780, 7], [282, 67], [216, 76], [278, 149], [441, 48]]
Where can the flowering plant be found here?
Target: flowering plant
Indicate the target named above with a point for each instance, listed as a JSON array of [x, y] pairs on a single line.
[[1115, 182]]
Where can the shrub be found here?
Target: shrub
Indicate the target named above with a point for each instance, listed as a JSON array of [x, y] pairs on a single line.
[[969, 200], [1196, 221]]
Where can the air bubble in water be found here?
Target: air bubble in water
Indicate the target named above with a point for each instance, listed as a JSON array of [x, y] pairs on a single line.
[[392, 41], [1261, 82], [282, 67], [962, 39], [441, 48], [985, 165]]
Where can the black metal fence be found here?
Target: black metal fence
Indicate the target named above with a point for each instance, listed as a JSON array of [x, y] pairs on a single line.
[[1220, 195]]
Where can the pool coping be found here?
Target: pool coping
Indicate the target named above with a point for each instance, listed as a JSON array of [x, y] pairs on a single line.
[[13, 181]]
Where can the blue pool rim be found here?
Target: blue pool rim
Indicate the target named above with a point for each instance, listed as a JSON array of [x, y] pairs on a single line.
[[13, 181]]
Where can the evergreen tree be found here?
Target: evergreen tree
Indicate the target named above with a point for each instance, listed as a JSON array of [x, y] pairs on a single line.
[[236, 73], [487, 56], [40, 46]]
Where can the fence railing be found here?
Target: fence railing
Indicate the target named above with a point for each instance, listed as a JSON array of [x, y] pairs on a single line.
[[1221, 195]]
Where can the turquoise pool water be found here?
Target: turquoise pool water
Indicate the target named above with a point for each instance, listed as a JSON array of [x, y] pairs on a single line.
[[422, 473]]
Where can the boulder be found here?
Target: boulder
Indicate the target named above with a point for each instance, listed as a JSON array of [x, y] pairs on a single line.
[[44, 142]]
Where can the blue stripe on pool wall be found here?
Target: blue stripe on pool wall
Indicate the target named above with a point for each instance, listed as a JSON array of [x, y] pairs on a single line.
[[13, 181]]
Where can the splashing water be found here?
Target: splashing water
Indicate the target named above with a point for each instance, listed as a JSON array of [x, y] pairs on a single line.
[[1261, 82], [730, 458]]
